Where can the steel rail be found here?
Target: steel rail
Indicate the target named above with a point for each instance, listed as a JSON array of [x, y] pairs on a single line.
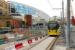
[[52, 44]]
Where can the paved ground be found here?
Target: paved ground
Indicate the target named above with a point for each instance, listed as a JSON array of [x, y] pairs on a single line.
[[60, 44], [43, 45]]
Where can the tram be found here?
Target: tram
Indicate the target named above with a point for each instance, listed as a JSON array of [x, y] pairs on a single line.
[[53, 29]]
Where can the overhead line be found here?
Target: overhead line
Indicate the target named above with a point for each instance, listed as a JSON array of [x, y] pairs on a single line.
[[49, 3]]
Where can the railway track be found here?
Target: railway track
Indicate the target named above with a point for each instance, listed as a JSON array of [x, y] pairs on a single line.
[[47, 44], [52, 44]]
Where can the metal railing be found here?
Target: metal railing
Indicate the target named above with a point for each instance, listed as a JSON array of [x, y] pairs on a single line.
[[23, 33]]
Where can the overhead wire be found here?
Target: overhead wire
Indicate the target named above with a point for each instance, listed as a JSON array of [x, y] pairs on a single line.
[[48, 1]]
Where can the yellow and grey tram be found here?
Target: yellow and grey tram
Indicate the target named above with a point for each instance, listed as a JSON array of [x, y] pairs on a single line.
[[53, 29]]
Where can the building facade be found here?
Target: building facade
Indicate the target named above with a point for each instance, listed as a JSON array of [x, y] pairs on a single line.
[[4, 13], [18, 8], [4, 9]]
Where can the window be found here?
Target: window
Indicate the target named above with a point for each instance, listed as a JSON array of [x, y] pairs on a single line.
[[1, 13], [13, 10], [8, 24]]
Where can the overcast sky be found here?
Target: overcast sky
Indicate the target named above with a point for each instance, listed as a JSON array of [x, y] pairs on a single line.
[[45, 5]]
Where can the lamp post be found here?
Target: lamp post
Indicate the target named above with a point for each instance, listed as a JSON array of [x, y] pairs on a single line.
[[62, 18], [68, 25]]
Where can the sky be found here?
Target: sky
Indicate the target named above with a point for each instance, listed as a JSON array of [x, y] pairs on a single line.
[[46, 6], [73, 7]]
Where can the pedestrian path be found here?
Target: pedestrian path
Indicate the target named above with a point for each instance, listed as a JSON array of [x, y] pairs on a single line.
[[23, 44], [43, 45], [59, 47], [60, 44]]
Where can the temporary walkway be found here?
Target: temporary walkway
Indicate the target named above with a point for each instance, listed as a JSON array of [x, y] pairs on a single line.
[[45, 45], [39, 43]]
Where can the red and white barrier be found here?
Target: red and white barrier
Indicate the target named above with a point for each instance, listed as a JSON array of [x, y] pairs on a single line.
[[25, 43], [33, 40], [18, 45], [30, 41], [36, 38], [40, 37]]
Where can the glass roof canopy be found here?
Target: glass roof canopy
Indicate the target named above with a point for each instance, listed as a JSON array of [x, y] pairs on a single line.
[[44, 5], [23, 9]]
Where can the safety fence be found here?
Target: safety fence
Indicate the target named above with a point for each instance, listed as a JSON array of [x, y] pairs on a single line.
[[22, 38], [23, 44], [19, 34]]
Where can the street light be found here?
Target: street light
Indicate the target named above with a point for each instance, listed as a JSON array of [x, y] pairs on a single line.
[[68, 25]]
